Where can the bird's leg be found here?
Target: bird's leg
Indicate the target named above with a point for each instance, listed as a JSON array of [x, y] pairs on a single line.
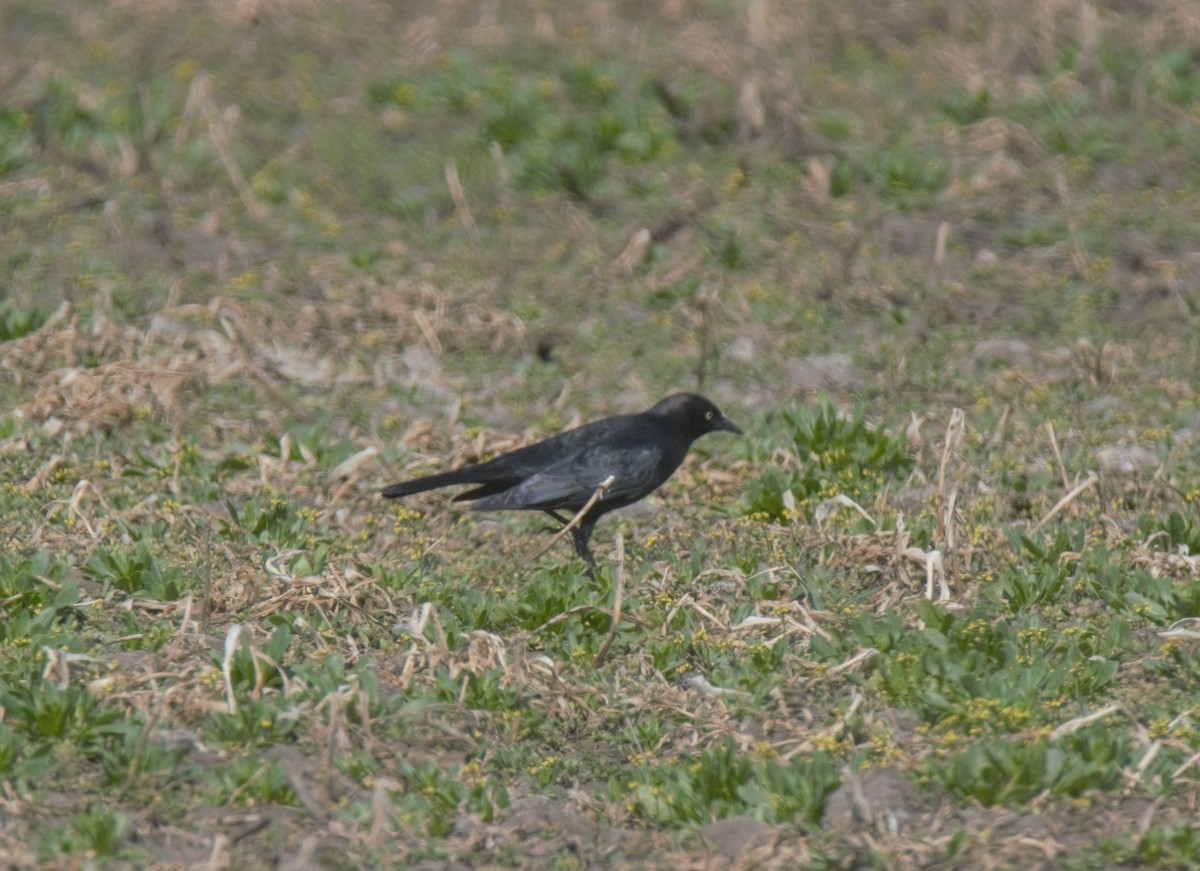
[[580, 535], [579, 538]]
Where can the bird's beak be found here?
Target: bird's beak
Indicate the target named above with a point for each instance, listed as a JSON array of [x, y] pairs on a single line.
[[725, 423]]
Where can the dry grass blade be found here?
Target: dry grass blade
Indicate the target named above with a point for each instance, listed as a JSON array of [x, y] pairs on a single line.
[[955, 430], [381, 812], [579, 609], [351, 465], [634, 253], [857, 659], [237, 635], [702, 684], [997, 436], [1062, 503], [219, 858], [939, 249], [1079, 258], [826, 507], [1078, 723], [617, 596], [935, 570], [1179, 629], [42, 476], [1062, 468], [1187, 763], [461, 207], [172, 649], [220, 133], [348, 471]]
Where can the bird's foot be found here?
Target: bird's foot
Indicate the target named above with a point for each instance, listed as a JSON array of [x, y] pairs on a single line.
[[585, 554]]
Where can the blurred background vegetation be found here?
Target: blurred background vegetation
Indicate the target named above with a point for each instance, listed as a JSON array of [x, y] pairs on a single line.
[[261, 258]]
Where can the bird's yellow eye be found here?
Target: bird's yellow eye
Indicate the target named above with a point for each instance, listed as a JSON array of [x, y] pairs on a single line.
[[708, 415]]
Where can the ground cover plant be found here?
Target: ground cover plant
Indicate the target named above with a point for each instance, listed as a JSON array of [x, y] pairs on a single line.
[[936, 608]]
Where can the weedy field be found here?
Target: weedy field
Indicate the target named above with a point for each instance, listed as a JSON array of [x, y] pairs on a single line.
[[937, 608]]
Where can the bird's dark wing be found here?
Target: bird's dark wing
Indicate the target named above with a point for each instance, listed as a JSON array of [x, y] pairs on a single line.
[[636, 469], [508, 470], [494, 476]]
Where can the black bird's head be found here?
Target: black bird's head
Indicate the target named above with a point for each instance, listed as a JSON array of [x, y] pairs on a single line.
[[693, 415]]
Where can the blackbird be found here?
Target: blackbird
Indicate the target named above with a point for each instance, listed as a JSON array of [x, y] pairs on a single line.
[[638, 451]]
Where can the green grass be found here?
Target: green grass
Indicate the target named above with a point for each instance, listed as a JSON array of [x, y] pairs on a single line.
[[219, 644]]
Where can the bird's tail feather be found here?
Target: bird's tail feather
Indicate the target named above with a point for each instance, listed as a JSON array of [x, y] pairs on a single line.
[[429, 482]]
